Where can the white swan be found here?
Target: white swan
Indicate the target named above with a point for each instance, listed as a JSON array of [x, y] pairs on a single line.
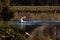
[[22, 19], [23, 22]]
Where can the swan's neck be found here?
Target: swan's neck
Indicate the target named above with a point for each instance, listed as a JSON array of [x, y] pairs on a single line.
[[22, 19]]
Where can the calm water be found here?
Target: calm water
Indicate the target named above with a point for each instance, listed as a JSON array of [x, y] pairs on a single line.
[[32, 24], [35, 22]]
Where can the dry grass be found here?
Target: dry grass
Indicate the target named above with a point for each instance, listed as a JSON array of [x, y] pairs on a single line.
[[41, 16], [42, 34], [35, 7]]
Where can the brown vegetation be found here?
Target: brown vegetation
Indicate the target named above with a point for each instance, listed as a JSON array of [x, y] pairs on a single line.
[[40, 16], [43, 33], [35, 7]]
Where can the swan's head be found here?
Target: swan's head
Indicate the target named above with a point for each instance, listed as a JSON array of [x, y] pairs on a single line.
[[22, 19]]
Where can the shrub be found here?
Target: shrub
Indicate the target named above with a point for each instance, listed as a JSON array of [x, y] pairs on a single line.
[[8, 33]]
